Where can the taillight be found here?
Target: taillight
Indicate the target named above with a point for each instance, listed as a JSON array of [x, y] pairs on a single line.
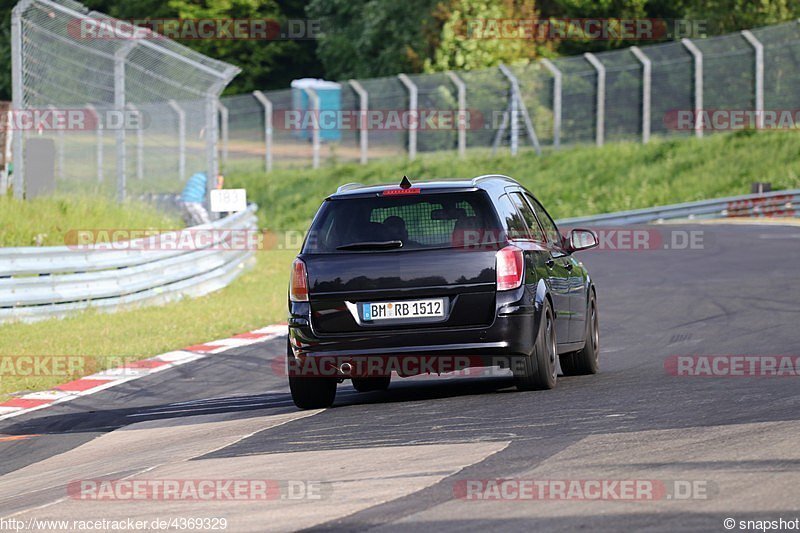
[[298, 286], [401, 192], [510, 268]]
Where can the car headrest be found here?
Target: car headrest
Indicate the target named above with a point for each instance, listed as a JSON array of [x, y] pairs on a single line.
[[395, 228], [468, 231]]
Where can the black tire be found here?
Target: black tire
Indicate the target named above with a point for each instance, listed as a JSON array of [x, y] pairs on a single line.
[[311, 392], [538, 371], [371, 384], [587, 360]]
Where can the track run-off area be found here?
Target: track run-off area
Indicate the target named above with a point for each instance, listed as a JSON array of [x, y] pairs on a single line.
[[685, 426]]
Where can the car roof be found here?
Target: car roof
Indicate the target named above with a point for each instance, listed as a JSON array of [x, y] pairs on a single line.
[[458, 184]]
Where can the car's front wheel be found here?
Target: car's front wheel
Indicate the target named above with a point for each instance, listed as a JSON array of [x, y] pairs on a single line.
[[538, 370], [586, 360]]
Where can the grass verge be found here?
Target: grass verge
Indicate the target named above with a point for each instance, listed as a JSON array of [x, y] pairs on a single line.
[[45, 221], [576, 181]]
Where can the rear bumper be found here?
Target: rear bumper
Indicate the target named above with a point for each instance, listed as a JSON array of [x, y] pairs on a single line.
[[511, 333]]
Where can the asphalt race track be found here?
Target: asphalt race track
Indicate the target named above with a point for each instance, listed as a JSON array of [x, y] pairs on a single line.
[[395, 460]]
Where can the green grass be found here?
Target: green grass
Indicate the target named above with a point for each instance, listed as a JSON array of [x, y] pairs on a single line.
[[574, 181], [46, 221]]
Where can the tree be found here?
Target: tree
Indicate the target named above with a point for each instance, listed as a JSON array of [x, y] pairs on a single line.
[[364, 38], [471, 36], [265, 64], [367, 38], [725, 16]]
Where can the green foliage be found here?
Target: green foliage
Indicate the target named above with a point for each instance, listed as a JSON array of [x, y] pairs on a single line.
[[725, 16], [367, 38], [457, 49], [598, 9], [265, 64]]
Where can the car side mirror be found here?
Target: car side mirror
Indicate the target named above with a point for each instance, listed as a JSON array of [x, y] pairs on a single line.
[[581, 239]]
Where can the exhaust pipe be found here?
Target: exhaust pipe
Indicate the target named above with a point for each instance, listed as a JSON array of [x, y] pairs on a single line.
[[345, 368]]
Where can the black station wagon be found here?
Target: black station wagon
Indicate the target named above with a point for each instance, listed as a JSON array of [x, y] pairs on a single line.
[[434, 277]]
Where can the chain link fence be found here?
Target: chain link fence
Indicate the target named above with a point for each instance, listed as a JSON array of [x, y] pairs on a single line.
[[131, 113], [622, 95]]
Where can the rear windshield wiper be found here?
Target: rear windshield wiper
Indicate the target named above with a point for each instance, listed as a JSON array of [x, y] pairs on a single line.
[[371, 245]]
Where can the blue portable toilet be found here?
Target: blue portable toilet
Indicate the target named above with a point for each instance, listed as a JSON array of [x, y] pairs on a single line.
[[330, 100]]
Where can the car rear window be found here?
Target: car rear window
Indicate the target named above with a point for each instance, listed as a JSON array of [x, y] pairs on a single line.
[[434, 220]]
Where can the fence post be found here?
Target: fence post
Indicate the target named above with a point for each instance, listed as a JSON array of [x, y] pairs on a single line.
[[698, 85], [139, 142], [313, 99], [59, 149], [549, 65], [462, 112], [647, 80], [267, 104], [99, 145], [181, 114], [223, 115], [17, 96], [413, 115], [363, 125], [515, 107], [6, 147], [119, 106], [212, 162], [600, 127], [759, 76]]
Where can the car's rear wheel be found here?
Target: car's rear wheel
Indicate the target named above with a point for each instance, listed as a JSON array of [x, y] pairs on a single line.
[[538, 371], [371, 384], [311, 392], [586, 360]]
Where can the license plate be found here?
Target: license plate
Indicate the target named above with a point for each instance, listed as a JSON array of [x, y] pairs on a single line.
[[401, 310]]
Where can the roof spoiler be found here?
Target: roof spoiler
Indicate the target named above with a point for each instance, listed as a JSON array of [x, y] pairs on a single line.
[[348, 186]]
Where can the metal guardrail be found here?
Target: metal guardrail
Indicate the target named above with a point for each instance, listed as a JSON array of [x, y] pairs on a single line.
[[39, 283], [772, 204]]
